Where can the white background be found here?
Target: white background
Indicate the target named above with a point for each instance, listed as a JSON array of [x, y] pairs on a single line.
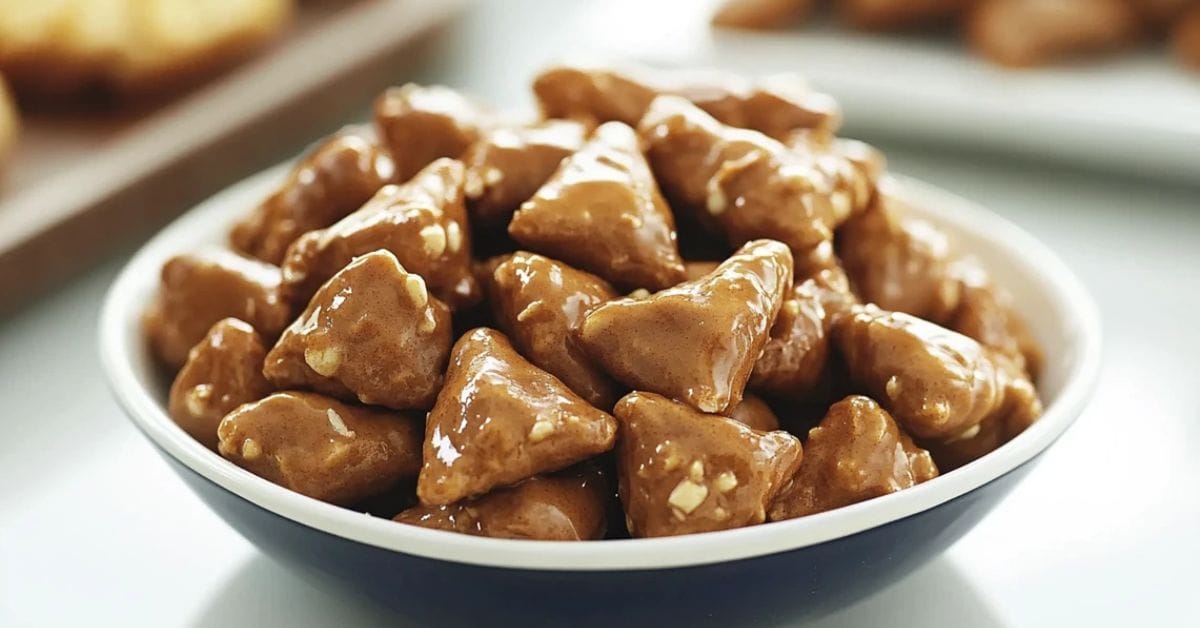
[[96, 530]]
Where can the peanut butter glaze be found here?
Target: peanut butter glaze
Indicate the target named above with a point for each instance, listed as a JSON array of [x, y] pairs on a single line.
[[508, 165], [323, 448], [372, 333], [602, 212], [696, 342], [420, 124]]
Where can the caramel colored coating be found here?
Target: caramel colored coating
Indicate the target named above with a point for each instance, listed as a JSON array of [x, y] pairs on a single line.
[[1185, 38], [737, 182], [499, 420], [322, 448], [899, 263], [856, 453], [421, 124], [336, 178], [423, 223], [755, 414], [202, 288], [696, 342], [508, 165], [540, 303], [222, 372], [602, 212], [936, 382], [776, 105], [568, 506], [885, 15], [762, 14], [793, 360], [372, 334], [695, 270], [853, 168], [986, 313], [1033, 32], [681, 471]]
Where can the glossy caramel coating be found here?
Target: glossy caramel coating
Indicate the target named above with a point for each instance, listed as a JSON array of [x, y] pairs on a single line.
[[986, 313], [856, 453], [1024, 33], [740, 183], [199, 289], [887, 15], [755, 414], [602, 212], [693, 270], [508, 165], [935, 382], [793, 359], [499, 420], [322, 448], [423, 223], [761, 14], [776, 105], [681, 471], [420, 124], [332, 180], [696, 342], [222, 372], [372, 334], [853, 168], [566, 506], [899, 263], [540, 303]]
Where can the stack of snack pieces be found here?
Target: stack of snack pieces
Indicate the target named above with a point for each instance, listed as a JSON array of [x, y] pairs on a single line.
[[1015, 33], [676, 303]]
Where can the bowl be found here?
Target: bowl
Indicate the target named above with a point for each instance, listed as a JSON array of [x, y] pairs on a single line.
[[760, 575]]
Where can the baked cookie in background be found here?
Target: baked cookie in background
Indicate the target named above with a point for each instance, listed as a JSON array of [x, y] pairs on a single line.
[[56, 49]]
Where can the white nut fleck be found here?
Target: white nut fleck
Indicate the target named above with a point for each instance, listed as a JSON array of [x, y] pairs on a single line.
[[969, 433], [454, 236], [528, 311], [892, 388], [416, 290], [428, 323], [696, 471], [792, 306], [720, 513], [338, 425], [716, 202], [687, 496], [726, 481], [324, 361], [250, 449], [197, 398], [841, 203], [540, 431], [433, 237], [639, 294]]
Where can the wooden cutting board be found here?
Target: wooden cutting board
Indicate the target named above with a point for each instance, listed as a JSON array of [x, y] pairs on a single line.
[[80, 185]]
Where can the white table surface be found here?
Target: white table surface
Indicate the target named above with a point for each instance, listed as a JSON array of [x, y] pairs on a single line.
[[96, 530]]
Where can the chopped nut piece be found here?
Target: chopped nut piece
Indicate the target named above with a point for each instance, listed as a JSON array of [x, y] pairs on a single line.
[[687, 496], [416, 290], [726, 482], [540, 431], [250, 449], [434, 239], [324, 361]]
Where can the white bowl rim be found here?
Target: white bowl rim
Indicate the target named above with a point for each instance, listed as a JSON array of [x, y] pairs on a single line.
[[119, 338]]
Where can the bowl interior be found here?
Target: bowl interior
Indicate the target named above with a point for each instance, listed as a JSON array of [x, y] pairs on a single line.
[[1059, 312]]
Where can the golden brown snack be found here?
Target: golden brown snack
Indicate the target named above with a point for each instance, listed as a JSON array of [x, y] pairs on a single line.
[[856, 453], [322, 448], [793, 360], [986, 313], [1185, 38], [602, 212], [9, 122], [1032, 32], [695, 270], [540, 303], [499, 420], [898, 14], [853, 168], [372, 333], [762, 14], [200, 289], [935, 382], [421, 124], [899, 263], [755, 414], [775, 105], [682, 471], [508, 165], [332, 180], [128, 47], [423, 223], [567, 506], [737, 182], [696, 342], [222, 372]]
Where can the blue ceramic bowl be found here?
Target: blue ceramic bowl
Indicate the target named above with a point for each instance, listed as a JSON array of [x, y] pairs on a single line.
[[761, 575]]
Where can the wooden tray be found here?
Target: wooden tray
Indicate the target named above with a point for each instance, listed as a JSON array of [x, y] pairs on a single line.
[[79, 185]]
